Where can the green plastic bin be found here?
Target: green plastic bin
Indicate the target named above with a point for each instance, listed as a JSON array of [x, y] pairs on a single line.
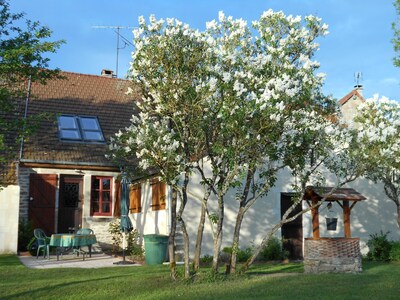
[[155, 247]]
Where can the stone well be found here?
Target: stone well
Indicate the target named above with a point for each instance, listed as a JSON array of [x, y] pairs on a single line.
[[332, 255]]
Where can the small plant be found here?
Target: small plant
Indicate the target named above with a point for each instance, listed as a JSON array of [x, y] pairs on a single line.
[[379, 247], [134, 248], [395, 251], [116, 235], [132, 240], [274, 250]]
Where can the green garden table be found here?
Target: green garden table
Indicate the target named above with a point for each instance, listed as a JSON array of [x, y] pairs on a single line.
[[67, 241]]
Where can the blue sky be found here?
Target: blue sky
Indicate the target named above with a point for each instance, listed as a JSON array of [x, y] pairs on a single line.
[[359, 40]]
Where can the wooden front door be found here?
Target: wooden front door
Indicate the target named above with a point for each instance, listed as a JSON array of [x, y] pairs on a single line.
[[42, 199], [70, 203], [292, 232]]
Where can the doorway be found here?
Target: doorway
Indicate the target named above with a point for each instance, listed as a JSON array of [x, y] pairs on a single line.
[[70, 203], [42, 201], [292, 232]]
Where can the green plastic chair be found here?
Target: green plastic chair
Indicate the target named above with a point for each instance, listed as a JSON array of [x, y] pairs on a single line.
[[42, 242], [79, 249], [85, 231]]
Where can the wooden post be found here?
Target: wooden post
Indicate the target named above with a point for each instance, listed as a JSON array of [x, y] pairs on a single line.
[[346, 219], [315, 219]]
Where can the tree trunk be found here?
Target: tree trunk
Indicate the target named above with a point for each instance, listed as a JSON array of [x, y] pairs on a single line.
[[218, 235], [199, 239], [398, 215], [182, 223], [186, 249], [171, 240], [235, 242], [258, 249]]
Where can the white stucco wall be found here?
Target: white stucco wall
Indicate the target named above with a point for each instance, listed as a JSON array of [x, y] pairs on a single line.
[[149, 221], [9, 212], [367, 217]]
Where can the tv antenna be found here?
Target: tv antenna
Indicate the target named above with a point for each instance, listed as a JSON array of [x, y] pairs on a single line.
[[119, 36], [357, 79]]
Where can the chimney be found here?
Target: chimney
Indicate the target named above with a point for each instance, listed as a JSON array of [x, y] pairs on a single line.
[[107, 73], [359, 88]]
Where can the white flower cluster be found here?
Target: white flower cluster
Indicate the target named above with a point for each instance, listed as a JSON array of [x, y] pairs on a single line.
[[379, 129], [233, 91]]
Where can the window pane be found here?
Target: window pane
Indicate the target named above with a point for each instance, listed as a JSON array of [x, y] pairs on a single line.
[[106, 197], [96, 183], [95, 207], [67, 122], [106, 184], [70, 134], [93, 135], [89, 123], [95, 196], [106, 207]]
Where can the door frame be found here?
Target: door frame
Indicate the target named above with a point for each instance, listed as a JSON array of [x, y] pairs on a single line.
[[71, 178], [297, 223]]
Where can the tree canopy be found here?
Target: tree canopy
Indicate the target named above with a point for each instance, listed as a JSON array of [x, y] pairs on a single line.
[[23, 48], [235, 104]]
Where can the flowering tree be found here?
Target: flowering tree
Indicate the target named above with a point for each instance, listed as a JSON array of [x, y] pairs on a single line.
[[169, 67], [379, 135], [247, 102], [226, 95]]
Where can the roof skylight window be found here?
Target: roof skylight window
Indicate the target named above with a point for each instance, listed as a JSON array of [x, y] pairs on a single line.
[[79, 128]]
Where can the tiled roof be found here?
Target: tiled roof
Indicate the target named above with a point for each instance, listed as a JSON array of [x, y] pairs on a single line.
[[349, 95], [77, 94], [345, 194]]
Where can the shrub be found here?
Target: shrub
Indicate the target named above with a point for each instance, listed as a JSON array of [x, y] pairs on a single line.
[[273, 250], [132, 238], [32, 246], [379, 247], [242, 254], [25, 234], [206, 259], [395, 251]]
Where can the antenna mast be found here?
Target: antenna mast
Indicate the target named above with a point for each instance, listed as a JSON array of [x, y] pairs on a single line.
[[358, 78], [126, 42]]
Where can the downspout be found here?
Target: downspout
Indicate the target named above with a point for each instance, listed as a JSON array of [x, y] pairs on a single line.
[[28, 95]]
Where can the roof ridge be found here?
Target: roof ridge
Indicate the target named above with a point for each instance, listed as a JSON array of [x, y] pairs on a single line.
[[92, 75], [349, 95]]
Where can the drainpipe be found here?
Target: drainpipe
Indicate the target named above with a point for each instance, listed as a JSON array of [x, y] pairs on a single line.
[[28, 94]]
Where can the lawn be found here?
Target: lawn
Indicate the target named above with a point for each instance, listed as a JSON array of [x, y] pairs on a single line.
[[267, 281]]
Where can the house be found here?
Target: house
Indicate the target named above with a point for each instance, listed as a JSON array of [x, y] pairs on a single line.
[[377, 213], [64, 181]]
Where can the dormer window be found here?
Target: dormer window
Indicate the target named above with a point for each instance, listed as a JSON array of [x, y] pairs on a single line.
[[79, 128]]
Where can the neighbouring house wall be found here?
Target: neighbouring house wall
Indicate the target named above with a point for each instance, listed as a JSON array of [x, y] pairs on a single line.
[[349, 109], [367, 217], [9, 205]]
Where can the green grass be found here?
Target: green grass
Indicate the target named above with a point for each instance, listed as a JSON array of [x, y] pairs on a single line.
[[378, 281]]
